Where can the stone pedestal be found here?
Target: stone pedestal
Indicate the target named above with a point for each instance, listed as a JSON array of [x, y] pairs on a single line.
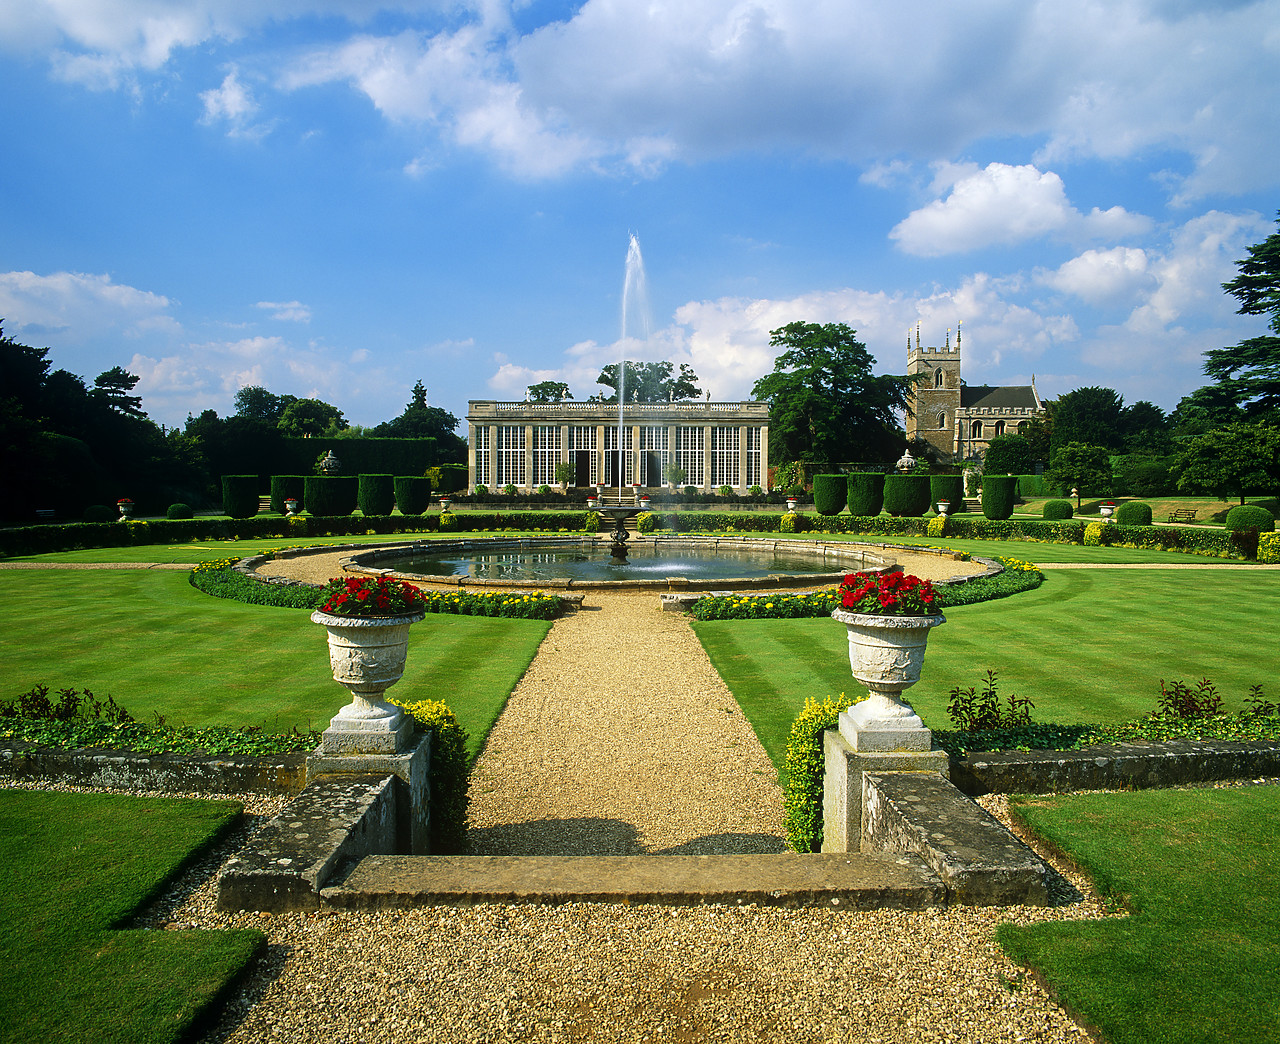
[[842, 784], [410, 766], [880, 724]]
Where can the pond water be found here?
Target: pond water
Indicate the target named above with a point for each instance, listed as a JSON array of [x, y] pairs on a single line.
[[644, 563]]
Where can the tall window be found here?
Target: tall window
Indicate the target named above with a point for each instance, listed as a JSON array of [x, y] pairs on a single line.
[[724, 456], [937, 378], [976, 430], [484, 456], [546, 453], [511, 455], [611, 447], [654, 454], [999, 427], [582, 439], [691, 455], [753, 457], [942, 420]]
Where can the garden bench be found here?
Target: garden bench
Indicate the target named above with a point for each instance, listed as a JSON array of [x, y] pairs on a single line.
[[1183, 515]]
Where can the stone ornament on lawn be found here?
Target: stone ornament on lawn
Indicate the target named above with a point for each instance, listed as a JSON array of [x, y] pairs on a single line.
[[888, 620]]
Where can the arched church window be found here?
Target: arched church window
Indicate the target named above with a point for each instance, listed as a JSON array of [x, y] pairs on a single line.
[[976, 430], [942, 420], [937, 378], [999, 427]]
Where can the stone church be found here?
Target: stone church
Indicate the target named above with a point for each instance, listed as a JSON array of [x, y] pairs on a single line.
[[959, 421]]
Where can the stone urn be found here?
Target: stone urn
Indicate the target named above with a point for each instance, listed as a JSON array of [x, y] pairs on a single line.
[[886, 654], [291, 505], [367, 655], [444, 503], [125, 507], [791, 504], [644, 502]]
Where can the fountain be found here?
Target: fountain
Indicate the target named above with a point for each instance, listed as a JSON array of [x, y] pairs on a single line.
[[634, 302]]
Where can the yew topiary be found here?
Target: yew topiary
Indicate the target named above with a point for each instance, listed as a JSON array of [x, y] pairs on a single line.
[[998, 493], [240, 496], [1057, 510], [830, 494], [1250, 516], [866, 493], [949, 488], [906, 496], [1133, 513]]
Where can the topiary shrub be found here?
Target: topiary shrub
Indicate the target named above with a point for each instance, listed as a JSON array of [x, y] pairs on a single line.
[[376, 494], [448, 522], [949, 488], [1094, 534], [806, 769], [330, 495], [1057, 510], [413, 494], [937, 527], [449, 775], [830, 494], [866, 493], [179, 511], [906, 496], [1133, 513], [240, 496], [285, 487], [1250, 516], [998, 492], [99, 513]]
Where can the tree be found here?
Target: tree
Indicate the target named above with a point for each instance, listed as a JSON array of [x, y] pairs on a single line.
[[1039, 435], [1087, 415], [1250, 370], [649, 382], [306, 418], [825, 403], [549, 391], [1203, 410], [113, 388], [420, 421], [256, 403], [1227, 461], [1144, 428], [1007, 455], [1078, 465]]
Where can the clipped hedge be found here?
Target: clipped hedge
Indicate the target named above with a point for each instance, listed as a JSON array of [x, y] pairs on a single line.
[[866, 493], [830, 494], [906, 496], [376, 494], [806, 767], [1033, 487], [330, 494], [448, 775], [240, 495], [1057, 510], [1250, 516], [286, 487], [998, 493], [1133, 513], [947, 487], [413, 494]]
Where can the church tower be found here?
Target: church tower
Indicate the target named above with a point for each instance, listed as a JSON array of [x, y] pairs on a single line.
[[936, 398]]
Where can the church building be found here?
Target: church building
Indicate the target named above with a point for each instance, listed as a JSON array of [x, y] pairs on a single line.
[[957, 420]]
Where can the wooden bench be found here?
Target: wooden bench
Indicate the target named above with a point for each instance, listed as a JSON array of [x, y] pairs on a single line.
[[1183, 515]]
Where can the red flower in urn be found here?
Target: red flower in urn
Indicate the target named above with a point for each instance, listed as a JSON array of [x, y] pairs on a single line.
[[889, 594]]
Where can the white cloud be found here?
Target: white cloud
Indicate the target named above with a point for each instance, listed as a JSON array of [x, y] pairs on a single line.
[[233, 103], [1102, 277], [287, 311], [77, 306], [1003, 205]]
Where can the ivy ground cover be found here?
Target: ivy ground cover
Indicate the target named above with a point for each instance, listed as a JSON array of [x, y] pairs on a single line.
[[1197, 959], [1086, 646], [159, 646], [76, 866]]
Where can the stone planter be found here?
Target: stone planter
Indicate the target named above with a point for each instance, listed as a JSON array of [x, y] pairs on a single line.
[[367, 655], [444, 503], [886, 654], [791, 503], [125, 508], [291, 506]]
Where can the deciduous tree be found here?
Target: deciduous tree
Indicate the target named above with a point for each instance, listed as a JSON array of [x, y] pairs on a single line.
[[1078, 465], [649, 382], [1230, 460]]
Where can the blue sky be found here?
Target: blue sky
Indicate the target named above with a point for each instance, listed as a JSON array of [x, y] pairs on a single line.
[[336, 198]]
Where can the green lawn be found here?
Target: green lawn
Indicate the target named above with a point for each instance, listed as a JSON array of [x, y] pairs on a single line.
[[159, 646], [76, 865], [1197, 961], [1087, 647]]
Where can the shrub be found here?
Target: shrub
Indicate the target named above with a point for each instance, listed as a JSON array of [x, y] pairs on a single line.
[[690, 491], [1133, 513], [1007, 455], [449, 775], [285, 487], [1181, 701], [448, 522], [1268, 547], [647, 522], [413, 494], [219, 579], [509, 490], [591, 522], [480, 490], [997, 495], [790, 523], [971, 712], [240, 496], [830, 494], [866, 493], [1250, 516], [1094, 534], [806, 770], [947, 487], [937, 527], [330, 494], [376, 494], [724, 491], [544, 490], [906, 495], [179, 511], [99, 513], [1058, 510]]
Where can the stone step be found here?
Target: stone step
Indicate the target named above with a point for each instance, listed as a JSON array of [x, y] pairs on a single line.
[[848, 881]]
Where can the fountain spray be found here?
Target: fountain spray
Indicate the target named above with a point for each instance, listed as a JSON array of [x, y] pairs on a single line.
[[635, 299]]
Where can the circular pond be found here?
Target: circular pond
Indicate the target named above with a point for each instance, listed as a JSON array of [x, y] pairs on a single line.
[[573, 562]]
